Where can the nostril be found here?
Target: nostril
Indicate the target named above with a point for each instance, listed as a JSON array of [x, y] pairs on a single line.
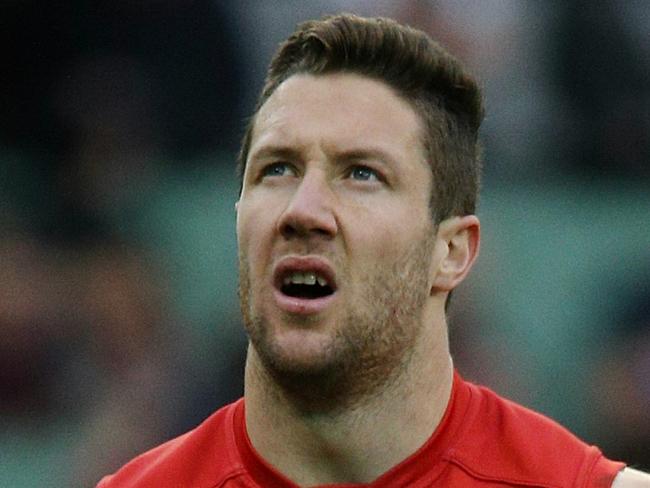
[[309, 212], [301, 227], [288, 230]]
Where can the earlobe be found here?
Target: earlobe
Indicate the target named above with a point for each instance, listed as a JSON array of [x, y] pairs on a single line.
[[459, 239]]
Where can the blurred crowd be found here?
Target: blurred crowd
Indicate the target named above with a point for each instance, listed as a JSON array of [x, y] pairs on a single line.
[[119, 129]]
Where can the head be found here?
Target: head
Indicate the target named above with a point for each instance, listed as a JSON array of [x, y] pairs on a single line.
[[359, 180]]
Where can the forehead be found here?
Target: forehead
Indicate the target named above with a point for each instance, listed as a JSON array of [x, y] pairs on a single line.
[[343, 110]]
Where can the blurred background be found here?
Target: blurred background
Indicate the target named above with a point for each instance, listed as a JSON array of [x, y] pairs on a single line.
[[119, 127]]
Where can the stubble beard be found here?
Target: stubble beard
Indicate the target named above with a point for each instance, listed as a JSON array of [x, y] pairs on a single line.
[[371, 347]]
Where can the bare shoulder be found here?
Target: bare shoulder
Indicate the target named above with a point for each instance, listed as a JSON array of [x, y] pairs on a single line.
[[632, 478]]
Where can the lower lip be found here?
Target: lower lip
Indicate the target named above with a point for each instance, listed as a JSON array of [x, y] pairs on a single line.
[[302, 306]]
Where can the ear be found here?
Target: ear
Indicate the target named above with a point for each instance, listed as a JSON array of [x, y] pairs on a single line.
[[457, 247]]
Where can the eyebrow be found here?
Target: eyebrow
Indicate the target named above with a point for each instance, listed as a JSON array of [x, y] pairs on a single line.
[[292, 154], [276, 152], [366, 153]]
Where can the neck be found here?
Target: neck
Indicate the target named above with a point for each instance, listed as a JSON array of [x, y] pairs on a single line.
[[359, 443]]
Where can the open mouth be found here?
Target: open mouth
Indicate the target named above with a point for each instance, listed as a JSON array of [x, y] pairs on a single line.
[[307, 285]]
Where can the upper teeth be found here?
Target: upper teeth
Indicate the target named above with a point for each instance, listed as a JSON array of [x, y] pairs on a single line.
[[306, 278]]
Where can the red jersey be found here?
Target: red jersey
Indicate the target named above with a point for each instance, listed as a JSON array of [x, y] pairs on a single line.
[[482, 441]]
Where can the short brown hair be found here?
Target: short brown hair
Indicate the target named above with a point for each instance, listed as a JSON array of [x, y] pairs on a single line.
[[445, 96]]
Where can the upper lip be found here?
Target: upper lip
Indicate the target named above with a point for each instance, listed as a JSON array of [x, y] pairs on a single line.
[[316, 264]]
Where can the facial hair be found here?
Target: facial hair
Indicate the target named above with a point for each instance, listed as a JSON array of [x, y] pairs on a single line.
[[371, 345]]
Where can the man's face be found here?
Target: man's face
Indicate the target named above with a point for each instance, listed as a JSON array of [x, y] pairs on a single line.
[[335, 232]]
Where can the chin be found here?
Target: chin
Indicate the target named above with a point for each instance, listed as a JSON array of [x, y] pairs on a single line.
[[299, 353], [314, 385]]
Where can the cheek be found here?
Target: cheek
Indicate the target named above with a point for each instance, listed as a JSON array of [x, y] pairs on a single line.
[[377, 242], [255, 229], [246, 235], [393, 229], [390, 247], [250, 214], [249, 240]]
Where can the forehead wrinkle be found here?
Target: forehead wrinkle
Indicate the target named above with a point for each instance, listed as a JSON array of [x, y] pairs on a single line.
[[284, 142], [284, 120], [274, 140]]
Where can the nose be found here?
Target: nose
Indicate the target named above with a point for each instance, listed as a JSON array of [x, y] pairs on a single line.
[[310, 210]]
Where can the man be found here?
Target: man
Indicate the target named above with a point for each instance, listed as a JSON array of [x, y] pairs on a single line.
[[355, 222]]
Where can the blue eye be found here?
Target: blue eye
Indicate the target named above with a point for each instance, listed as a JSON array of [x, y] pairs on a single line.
[[277, 169], [363, 173]]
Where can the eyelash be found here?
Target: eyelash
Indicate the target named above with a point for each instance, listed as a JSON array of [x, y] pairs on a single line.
[[268, 170], [372, 174]]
